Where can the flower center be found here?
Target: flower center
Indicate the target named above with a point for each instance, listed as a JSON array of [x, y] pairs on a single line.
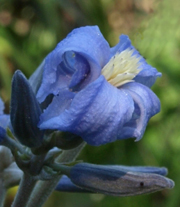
[[122, 68]]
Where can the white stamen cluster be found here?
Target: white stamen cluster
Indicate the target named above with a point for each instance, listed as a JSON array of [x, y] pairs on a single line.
[[122, 68]]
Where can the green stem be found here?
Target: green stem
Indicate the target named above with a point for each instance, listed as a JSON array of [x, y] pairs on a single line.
[[43, 189], [2, 193], [62, 168], [13, 145], [26, 186]]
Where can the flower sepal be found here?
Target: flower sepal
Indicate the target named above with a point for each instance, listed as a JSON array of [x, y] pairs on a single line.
[[65, 140], [61, 140]]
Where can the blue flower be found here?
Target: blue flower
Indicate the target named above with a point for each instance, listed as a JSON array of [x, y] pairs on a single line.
[[114, 180], [99, 93]]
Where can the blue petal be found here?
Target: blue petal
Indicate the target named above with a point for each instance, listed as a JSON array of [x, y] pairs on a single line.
[[4, 120], [124, 43], [148, 74], [2, 134], [82, 69], [146, 104], [85, 41], [1, 106], [97, 113], [59, 104]]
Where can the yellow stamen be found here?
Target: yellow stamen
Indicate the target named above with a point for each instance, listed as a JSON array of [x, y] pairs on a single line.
[[122, 68]]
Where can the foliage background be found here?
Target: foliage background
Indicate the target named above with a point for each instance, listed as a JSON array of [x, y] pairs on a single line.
[[29, 30]]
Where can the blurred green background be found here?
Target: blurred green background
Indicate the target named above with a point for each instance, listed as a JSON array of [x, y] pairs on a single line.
[[29, 30]]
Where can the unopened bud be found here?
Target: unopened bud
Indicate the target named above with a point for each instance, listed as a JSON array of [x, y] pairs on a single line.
[[117, 181], [25, 112]]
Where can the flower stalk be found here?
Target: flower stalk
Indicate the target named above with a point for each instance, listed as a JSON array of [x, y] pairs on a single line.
[[2, 193], [26, 186], [43, 189], [28, 180]]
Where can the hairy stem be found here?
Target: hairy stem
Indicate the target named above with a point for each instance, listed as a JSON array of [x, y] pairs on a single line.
[[43, 189], [26, 186]]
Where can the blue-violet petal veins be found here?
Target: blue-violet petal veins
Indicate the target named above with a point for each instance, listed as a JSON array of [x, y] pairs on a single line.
[[97, 113], [147, 105], [86, 41]]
